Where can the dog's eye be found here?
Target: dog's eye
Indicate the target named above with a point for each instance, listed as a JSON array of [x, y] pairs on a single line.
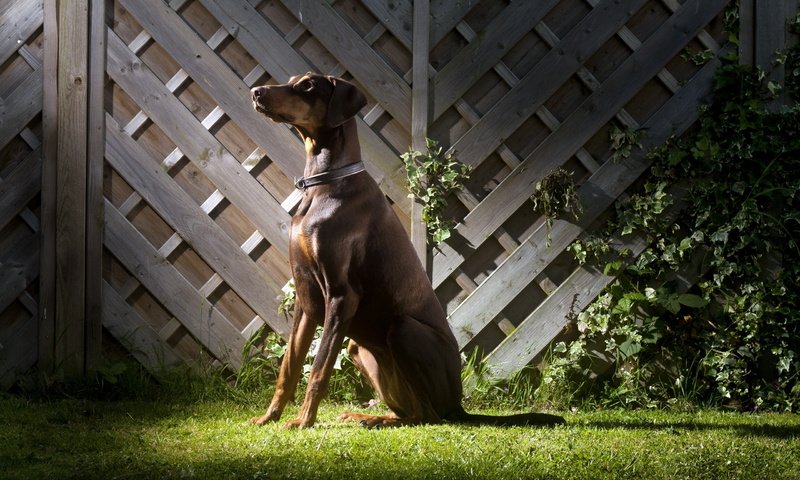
[[305, 86]]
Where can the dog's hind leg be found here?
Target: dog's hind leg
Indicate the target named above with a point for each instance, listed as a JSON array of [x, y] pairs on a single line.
[[383, 378], [428, 359], [417, 374]]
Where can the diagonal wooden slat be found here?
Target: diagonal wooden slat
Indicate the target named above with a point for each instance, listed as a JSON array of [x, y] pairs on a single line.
[[472, 62], [166, 284], [552, 316], [530, 93], [594, 112], [193, 224], [577, 291], [21, 106], [281, 61], [595, 195], [19, 351], [19, 20], [445, 15], [200, 146], [258, 37], [372, 72], [223, 85], [396, 16], [20, 186], [19, 266], [133, 333]]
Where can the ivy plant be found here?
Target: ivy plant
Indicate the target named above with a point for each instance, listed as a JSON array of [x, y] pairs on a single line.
[[624, 142], [287, 300], [555, 194], [732, 335], [432, 176]]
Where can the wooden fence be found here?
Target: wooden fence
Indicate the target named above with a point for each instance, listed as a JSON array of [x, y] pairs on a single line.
[[144, 203]]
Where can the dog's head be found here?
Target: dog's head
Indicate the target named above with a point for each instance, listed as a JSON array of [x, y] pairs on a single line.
[[310, 101]]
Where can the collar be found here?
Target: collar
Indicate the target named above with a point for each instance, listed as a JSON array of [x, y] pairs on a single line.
[[329, 176]]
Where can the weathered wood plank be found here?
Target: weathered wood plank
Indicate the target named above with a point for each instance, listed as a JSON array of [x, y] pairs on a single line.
[[770, 36], [216, 79], [383, 165], [49, 108], [485, 50], [544, 79], [21, 106], [20, 186], [198, 229], [576, 293], [19, 351], [372, 72], [198, 144], [73, 80], [420, 114], [19, 21], [770, 32], [133, 333], [94, 184], [747, 32], [396, 17], [261, 40], [445, 15], [19, 266], [272, 51], [165, 283], [594, 112], [596, 194]]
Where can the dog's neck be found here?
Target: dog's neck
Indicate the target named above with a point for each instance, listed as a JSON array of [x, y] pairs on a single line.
[[331, 148]]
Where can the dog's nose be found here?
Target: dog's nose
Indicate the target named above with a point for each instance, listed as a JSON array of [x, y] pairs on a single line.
[[258, 92]]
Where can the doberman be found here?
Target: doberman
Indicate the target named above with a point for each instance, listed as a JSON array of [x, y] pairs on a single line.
[[357, 275]]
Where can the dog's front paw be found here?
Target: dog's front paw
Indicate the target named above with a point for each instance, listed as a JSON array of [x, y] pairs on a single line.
[[297, 423], [264, 419]]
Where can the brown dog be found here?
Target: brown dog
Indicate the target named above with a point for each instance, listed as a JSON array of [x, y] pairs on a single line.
[[357, 275]]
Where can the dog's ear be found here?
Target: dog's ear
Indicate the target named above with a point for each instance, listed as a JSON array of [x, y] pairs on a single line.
[[346, 100]]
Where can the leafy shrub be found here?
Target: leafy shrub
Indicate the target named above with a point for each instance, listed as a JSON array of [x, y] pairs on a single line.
[[733, 339]]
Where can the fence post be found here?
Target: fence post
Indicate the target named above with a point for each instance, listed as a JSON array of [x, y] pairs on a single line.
[[47, 284], [762, 32], [420, 114], [94, 184], [69, 326]]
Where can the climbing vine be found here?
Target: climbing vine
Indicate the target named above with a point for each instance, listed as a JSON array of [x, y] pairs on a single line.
[[432, 176], [731, 336]]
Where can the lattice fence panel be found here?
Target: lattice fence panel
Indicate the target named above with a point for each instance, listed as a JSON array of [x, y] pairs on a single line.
[[199, 189], [199, 186], [520, 89], [20, 185]]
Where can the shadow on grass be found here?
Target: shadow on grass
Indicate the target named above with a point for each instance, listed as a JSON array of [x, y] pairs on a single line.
[[762, 430]]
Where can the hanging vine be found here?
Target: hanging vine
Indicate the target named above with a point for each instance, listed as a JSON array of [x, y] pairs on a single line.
[[432, 176]]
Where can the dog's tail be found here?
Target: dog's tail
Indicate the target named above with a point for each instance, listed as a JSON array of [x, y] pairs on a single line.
[[519, 419]]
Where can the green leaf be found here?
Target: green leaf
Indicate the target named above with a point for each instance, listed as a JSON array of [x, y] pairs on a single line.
[[721, 235], [623, 307], [691, 300], [612, 268], [629, 348]]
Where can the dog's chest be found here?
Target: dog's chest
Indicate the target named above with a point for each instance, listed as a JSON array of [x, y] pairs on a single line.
[[303, 244], [311, 231]]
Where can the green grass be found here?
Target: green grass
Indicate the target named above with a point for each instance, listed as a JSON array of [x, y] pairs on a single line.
[[69, 438]]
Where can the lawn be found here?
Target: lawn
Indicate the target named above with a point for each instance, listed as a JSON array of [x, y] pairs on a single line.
[[73, 438]]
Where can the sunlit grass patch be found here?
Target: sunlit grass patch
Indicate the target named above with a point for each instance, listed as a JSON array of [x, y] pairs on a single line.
[[212, 439]]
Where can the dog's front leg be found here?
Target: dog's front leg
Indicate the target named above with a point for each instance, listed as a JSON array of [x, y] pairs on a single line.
[[291, 366], [339, 311]]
